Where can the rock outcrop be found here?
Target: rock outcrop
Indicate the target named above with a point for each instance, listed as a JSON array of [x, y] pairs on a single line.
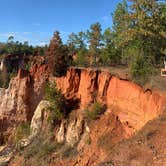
[[128, 108], [133, 105], [71, 130], [19, 101], [38, 117]]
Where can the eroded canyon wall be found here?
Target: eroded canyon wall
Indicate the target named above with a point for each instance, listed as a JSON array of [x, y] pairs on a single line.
[[129, 102], [19, 101], [133, 105]]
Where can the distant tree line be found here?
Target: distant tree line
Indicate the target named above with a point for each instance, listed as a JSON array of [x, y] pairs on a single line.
[[12, 48], [16, 47]]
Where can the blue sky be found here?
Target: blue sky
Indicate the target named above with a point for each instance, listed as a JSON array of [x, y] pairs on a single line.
[[36, 20]]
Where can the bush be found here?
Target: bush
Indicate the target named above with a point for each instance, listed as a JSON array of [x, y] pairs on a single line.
[[141, 69], [97, 110], [68, 152], [37, 153], [57, 101], [21, 131], [88, 140]]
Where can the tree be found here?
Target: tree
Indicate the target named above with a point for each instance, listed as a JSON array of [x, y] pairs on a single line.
[[10, 39], [94, 39], [109, 54], [57, 101], [71, 42], [146, 27], [121, 23], [140, 33], [57, 56], [76, 42]]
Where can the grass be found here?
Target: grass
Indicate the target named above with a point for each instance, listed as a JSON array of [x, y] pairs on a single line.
[[21, 131], [68, 152], [39, 151], [95, 112], [88, 140], [40, 148]]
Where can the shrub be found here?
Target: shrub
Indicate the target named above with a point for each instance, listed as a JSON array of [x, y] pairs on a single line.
[[141, 69], [88, 140], [97, 110], [57, 101], [37, 153], [21, 131], [68, 152]]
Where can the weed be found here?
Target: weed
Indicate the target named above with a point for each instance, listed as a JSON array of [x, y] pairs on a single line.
[[97, 110], [21, 131]]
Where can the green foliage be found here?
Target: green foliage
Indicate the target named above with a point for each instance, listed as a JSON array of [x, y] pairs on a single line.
[[39, 148], [76, 42], [21, 131], [16, 47], [57, 55], [37, 153], [88, 140], [143, 21], [68, 152], [109, 54], [57, 101], [94, 39], [82, 57], [141, 69], [120, 22], [95, 112], [28, 66]]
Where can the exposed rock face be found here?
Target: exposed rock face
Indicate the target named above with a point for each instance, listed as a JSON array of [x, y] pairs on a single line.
[[81, 87], [127, 100], [38, 117], [18, 102], [7, 152], [129, 108], [70, 130]]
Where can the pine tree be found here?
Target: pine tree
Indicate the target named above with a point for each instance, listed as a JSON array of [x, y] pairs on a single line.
[[144, 27], [94, 39], [109, 54], [57, 56], [76, 42]]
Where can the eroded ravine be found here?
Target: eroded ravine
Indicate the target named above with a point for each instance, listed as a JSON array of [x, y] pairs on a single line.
[[128, 108]]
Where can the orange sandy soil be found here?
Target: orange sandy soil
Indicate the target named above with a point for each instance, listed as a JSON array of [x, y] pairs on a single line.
[[146, 148]]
